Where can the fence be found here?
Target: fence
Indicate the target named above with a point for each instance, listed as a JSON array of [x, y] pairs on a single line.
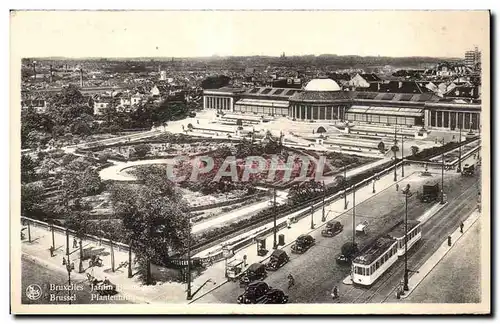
[[66, 231]]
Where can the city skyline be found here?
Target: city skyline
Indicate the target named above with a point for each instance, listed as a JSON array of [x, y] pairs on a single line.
[[121, 34]]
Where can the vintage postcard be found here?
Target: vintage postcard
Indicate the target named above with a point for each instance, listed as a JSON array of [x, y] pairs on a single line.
[[211, 162]]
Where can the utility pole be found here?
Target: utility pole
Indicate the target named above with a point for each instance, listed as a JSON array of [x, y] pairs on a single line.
[[130, 259], [442, 176], [53, 239], [459, 169], [189, 297], [275, 243], [29, 232], [345, 187], [405, 286], [354, 215], [112, 256], [312, 216], [402, 155], [323, 217], [67, 242], [395, 156]]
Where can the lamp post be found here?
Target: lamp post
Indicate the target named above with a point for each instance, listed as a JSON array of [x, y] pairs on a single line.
[[402, 155], [312, 216], [130, 259], [69, 267], [275, 242], [459, 169], [67, 241], [29, 232], [345, 187], [53, 238], [354, 215], [406, 192], [323, 217], [394, 148], [80, 267], [442, 176]]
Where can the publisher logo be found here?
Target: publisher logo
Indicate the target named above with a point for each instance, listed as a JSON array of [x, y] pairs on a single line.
[[34, 292]]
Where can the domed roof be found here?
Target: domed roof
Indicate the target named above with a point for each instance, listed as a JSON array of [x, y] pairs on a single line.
[[322, 85]]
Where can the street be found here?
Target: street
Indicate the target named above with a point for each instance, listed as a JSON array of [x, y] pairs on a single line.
[[316, 272]]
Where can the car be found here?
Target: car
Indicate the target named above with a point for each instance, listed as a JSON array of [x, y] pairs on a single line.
[[256, 271], [332, 228], [275, 296], [303, 243], [362, 228], [278, 259], [192, 114], [254, 293], [343, 260]]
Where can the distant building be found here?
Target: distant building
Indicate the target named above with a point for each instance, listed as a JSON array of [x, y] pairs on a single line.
[[100, 105], [39, 105], [472, 58], [363, 80], [163, 75]]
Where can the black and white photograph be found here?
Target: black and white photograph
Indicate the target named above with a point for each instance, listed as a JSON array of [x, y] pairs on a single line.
[[205, 162]]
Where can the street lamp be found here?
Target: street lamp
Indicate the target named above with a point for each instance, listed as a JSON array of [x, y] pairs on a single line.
[[345, 187], [354, 215], [70, 266], [406, 191], [442, 176], [323, 217], [275, 242], [459, 169], [312, 216], [402, 155]]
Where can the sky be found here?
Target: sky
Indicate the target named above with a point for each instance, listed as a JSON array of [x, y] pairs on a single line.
[[242, 33]]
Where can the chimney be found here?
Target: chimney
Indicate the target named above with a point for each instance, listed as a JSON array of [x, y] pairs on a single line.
[[81, 77], [51, 74]]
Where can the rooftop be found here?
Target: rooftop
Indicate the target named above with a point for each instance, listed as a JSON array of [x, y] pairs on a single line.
[[398, 231], [322, 85], [321, 96], [373, 251]]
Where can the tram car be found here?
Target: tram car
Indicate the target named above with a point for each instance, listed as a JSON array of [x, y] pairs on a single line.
[[414, 235], [374, 260]]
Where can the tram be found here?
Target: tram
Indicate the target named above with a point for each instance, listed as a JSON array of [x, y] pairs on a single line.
[[376, 258], [414, 235]]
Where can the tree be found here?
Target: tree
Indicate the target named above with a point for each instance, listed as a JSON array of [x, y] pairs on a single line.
[[28, 173], [414, 150], [215, 82], [157, 222], [31, 197], [142, 150], [349, 249]]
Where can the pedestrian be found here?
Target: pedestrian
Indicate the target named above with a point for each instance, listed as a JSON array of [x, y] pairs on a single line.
[[335, 292], [288, 223], [397, 186], [51, 251], [64, 261], [461, 227], [75, 243]]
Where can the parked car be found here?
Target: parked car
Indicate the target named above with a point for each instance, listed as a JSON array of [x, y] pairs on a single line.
[[256, 271], [303, 243], [278, 259], [255, 292], [275, 296], [332, 228]]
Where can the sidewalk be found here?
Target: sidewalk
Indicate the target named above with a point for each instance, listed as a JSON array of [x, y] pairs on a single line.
[[442, 251]]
